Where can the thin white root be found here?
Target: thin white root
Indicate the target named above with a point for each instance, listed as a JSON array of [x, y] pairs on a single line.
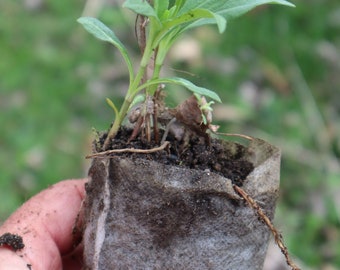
[[129, 150]]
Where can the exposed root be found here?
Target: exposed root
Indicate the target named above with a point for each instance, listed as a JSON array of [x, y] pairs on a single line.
[[167, 129], [137, 128], [235, 135], [106, 154], [277, 236]]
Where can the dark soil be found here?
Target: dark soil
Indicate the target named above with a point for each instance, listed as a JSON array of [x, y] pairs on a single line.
[[12, 240], [195, 154]]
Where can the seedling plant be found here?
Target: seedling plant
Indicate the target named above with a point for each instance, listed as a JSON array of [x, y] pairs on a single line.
[[159, 24]]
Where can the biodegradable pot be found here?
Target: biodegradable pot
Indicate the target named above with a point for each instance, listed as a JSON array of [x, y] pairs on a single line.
[[141, 214]]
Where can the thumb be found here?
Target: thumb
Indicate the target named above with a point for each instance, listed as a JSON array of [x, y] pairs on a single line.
[[45, 223]]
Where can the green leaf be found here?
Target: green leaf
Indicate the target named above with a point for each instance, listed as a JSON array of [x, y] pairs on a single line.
[[141, 7], [228, 9], [102, 32], [196, 14], [183, 82], [161, 7], [221, 22], [179, 3], [113, 106]]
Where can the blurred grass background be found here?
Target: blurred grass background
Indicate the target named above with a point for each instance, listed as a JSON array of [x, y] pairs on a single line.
[[277, 70]]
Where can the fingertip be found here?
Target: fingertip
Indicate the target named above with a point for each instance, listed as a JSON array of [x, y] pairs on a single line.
[[10, 260]]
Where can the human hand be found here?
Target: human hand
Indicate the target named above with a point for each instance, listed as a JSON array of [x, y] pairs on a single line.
[[45, 222]]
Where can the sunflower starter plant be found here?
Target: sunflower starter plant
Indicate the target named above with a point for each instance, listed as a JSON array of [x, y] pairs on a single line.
[[162, 193]]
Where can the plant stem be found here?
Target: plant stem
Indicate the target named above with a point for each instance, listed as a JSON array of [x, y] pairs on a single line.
[[133, 88], [116, 124], [131, 93], [152, 88]]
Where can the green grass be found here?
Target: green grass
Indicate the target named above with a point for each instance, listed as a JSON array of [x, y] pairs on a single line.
[[276, 68]]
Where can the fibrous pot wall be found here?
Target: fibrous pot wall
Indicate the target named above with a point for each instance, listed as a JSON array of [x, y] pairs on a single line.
[[141, 214]]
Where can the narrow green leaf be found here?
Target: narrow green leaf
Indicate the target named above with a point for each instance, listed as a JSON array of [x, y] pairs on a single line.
[[196, 14], [247, 5], [160, 7], [141, 7], [102, 32], [221, 22], [228, 9], [112, 105], [183, 82], [178, 5]]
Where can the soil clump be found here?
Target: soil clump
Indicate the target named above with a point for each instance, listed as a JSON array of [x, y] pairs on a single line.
[[194, 153]]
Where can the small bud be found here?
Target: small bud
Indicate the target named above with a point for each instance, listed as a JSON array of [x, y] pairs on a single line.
[[134, 114]]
